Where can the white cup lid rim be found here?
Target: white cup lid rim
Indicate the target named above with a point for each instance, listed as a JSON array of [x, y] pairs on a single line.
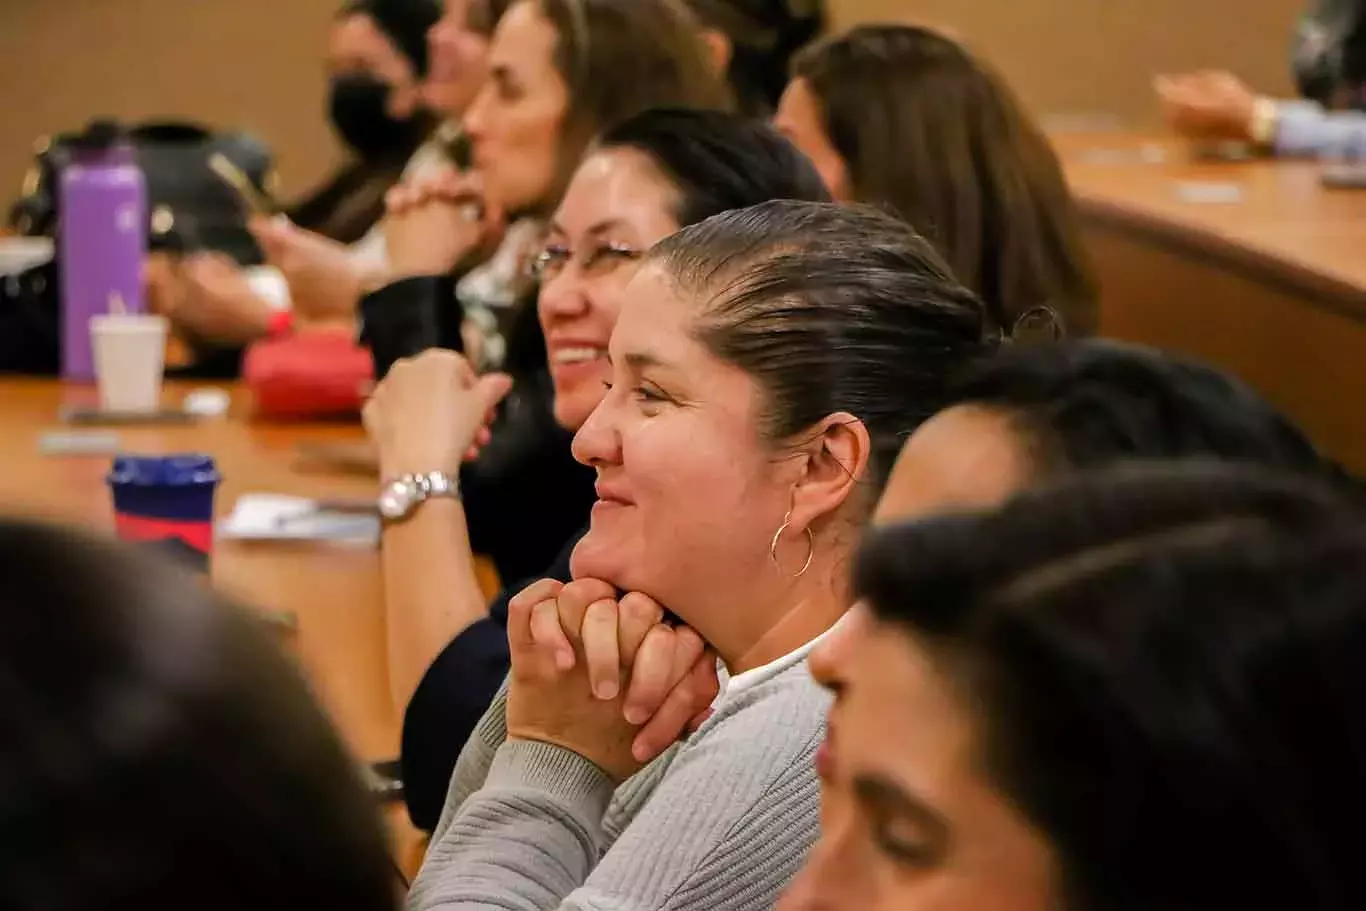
[[132, 320]]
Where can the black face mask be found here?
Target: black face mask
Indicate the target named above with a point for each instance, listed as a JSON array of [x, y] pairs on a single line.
[[358, 107]]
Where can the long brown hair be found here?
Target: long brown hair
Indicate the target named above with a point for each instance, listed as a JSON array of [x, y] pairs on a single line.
[[931, 132], [619, 58]]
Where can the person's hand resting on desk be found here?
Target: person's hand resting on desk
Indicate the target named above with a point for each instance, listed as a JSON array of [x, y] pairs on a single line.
[[1215, 105], [431, 413], [603, 677], [433, 225]]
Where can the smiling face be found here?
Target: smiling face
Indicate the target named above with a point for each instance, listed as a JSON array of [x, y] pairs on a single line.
[[515, 122], [617, 206], [908, 820], [689, 493]]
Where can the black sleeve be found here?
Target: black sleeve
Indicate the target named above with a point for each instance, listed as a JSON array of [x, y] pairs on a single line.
[[31, 322], [525, 494], [452, 697], [211, 364], [406, 317]]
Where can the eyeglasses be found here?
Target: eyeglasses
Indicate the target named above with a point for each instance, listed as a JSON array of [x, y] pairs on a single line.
[[594, 262]]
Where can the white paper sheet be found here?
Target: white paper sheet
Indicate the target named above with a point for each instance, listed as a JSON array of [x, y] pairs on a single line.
[[277, 517]]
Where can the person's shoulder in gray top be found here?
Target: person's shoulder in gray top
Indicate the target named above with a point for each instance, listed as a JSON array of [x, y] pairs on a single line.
[[723, 821]]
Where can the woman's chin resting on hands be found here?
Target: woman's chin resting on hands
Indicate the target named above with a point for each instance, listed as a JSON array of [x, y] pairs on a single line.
[[602, 676]]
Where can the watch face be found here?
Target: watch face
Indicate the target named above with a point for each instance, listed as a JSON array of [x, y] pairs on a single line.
[[395, 500]]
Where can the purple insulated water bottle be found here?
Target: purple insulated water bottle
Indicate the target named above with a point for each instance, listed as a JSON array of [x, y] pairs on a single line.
[[103, 239]]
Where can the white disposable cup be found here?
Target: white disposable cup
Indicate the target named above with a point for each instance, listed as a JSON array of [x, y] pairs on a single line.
[[130, 357]]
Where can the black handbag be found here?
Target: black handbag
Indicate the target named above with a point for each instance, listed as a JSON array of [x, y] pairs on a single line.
[[190, 207]]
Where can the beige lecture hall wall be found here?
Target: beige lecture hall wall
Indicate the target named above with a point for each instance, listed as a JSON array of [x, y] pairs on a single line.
[[258, 63]]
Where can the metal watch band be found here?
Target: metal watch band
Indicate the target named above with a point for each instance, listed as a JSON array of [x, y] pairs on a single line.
[[432, 484], [402, 496]]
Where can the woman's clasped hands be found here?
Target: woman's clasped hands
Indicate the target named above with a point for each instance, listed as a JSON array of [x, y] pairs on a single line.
[[604, 676], [431, 413], [433, 224]]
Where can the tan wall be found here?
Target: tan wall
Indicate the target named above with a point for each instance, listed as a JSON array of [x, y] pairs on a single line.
[[254, 63], [258, 62], [1088, 57]]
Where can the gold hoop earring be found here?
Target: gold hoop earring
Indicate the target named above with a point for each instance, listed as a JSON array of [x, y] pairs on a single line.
[[810, 548]]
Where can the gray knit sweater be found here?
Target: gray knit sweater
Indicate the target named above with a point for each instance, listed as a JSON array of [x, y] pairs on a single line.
[[721, 822]]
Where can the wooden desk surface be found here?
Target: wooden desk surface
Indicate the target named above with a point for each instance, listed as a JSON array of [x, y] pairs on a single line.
[[1285, 220], [1270, 286], [335, 592]]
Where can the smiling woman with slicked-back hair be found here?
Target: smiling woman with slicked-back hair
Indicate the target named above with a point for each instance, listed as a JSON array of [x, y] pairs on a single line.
[[763, 369]]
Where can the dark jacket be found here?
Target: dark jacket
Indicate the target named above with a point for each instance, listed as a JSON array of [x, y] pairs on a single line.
[[524, 495], [524, 498], [452, 697]]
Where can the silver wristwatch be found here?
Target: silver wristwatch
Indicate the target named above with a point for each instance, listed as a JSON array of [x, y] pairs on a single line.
[[401, 497]]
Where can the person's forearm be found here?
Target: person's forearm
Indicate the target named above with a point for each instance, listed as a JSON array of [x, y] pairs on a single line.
[[370, 262], [431, 590]]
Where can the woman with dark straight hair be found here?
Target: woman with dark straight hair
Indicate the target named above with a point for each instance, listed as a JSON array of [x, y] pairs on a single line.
[[905, 118], [1138, 689]]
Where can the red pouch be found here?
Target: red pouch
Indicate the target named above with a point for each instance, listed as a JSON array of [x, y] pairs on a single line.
[[310, 375]]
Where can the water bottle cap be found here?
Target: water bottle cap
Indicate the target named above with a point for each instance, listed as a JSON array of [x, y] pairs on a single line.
[[99, 135]]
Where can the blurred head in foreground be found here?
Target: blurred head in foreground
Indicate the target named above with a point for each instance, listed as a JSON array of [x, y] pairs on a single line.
[[1137, 689], [158, 749]]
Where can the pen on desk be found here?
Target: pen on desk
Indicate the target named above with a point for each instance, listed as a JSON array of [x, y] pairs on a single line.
[[344, 508], [353, 507]]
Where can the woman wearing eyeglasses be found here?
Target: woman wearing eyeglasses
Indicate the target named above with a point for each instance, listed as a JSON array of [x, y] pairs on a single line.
[[560, 72], [645, 179]]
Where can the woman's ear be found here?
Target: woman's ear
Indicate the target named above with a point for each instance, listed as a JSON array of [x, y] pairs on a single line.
[[718, 43], [836, 460]]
